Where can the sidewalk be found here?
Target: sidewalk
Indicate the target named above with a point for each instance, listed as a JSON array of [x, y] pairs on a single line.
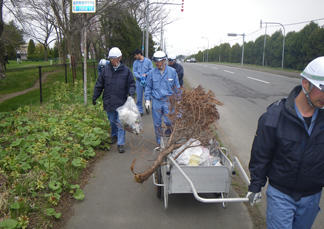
[[114, 200]]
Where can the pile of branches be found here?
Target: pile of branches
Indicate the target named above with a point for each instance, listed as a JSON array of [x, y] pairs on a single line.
[[193, 115]]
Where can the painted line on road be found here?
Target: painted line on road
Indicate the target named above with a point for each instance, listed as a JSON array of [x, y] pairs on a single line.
[[258, 80], [228, 71]]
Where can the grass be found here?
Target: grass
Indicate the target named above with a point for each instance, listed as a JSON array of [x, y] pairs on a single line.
[[26, 63], [33, 97]]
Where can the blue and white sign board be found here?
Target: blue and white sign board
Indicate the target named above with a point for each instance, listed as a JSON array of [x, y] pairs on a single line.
[[83, 6]]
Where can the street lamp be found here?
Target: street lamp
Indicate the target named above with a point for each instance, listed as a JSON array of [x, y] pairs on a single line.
[[207, 47], [283, 40], [147, 19], [243, 35]]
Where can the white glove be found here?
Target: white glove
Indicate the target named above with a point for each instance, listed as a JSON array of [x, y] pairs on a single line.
[[254, 197], [147, 104]]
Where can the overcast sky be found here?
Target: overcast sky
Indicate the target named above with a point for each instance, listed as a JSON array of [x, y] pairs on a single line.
[[213, 19]]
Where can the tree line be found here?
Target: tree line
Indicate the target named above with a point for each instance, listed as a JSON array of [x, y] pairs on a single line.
[[47, 22], [300, 48]]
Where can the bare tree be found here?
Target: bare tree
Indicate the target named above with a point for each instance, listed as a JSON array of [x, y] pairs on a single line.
[[2, 48]]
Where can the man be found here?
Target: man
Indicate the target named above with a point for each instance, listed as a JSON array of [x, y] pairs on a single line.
[[161, 83], [179, 69], [141, 67], [117, 82], [288, 150]]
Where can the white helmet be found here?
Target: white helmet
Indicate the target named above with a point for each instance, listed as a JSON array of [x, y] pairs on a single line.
[[102, 62], [172, 57], [114, 53], [159, 55], [314, 72]]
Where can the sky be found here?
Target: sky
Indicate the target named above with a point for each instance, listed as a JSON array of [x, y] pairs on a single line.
[[206, 23]]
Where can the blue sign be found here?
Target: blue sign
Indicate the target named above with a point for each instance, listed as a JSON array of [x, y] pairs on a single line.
[[83, 6]]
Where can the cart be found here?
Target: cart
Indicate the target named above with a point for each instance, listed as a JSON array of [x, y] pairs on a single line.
[[172, 178]]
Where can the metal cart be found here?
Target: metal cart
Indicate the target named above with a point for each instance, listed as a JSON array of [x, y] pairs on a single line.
[[172, 178]]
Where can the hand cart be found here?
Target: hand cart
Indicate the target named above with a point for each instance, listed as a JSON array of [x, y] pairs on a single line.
[[172, 178]]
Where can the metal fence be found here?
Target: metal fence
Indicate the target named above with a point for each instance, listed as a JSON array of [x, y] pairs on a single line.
[[66, 69]]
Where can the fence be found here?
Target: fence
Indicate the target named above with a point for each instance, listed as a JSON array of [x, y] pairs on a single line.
[[27, 79]]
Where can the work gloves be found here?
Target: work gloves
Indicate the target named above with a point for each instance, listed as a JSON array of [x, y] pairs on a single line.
[[94, 102], [143, 81], [147, 105], [254, 197]]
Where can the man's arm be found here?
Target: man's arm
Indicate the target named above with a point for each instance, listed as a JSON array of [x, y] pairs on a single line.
[[261, 154], [99, 85], [136, 73], [131, 84], [180, 75], [149, 86]]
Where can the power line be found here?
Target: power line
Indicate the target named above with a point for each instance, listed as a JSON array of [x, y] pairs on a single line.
[[303, 22]]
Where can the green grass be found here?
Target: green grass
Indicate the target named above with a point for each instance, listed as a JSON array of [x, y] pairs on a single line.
[[26, 63], [33, 97]]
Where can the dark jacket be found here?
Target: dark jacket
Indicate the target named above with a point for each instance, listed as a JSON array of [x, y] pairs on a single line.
[[116, 86], [283, 152], [179, 70]]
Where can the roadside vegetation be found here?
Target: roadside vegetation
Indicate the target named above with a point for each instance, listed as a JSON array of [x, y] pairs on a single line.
[[43, 150]]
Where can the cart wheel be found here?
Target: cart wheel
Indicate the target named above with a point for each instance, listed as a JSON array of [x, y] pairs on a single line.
[[159, 189]]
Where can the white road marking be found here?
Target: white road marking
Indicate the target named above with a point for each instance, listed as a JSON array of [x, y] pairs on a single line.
[[228, 71], [258, 80]]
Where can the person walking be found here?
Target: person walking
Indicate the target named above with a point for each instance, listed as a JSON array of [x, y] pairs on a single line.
[[288, 151], [178, 67], [116, 81], [141, 67], [161, 83]]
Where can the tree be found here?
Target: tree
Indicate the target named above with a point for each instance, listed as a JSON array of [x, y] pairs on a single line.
[[2, 48], [12, 38], [31, 49]]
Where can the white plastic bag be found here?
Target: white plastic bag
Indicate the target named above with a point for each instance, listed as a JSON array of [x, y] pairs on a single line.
[[130, 117]]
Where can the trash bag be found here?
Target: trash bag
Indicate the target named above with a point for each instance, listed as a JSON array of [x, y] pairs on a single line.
[[130, 117]]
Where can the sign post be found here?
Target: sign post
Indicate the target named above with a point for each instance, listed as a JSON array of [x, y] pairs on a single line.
[[84, 6]]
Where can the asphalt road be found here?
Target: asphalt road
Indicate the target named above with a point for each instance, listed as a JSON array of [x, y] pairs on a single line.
[[114, 200], [245, 94]]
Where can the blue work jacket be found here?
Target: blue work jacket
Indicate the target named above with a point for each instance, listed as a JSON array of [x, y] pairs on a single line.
[[160, 86], [116, 86], [287, 153], [141, 67]]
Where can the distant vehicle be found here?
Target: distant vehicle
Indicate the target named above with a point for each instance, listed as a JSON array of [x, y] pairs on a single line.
[[191, 60]]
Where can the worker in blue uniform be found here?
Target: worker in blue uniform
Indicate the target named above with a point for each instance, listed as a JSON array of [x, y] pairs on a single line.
[[141, 67], [161, 83]]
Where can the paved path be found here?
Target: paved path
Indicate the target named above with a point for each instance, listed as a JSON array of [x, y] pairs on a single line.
[[36, 85], [114, 200]]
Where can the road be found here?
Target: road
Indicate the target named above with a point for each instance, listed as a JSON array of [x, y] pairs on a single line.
[[245, 94]]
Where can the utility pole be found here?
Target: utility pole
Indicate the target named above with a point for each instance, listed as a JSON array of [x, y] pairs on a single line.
[[147, 11], [283, 40]]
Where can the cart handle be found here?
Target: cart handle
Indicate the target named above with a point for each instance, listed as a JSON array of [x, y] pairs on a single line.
[[161, 185], [199, 198]]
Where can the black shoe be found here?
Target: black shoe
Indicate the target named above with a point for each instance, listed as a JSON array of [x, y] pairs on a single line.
[[120, 148], [147, 110], [113, 140], [142, 114]]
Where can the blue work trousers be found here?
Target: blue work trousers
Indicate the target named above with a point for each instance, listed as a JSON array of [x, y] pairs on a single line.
[[159, 110], [116, 127], [139, 96], [285, 213]]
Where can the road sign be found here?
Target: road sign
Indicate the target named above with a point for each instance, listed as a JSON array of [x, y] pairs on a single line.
[[83, 6]]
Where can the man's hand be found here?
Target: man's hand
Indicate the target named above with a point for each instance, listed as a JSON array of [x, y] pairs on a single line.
[[94, 102], [147, 104], [254, 197]]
